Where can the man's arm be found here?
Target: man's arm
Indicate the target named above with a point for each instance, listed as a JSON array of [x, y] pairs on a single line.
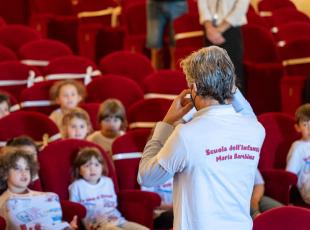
[[241, 105], [151, 173]]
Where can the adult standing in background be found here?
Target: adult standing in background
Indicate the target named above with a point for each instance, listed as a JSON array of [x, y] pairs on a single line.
[[212, 158], [222, 21], [161, 14]]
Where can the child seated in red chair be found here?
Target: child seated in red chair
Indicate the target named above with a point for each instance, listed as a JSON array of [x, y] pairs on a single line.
[[93, 189], [67, 94], [113, 123], [27, 144], [298, 158], [76, 124], [21, 207]]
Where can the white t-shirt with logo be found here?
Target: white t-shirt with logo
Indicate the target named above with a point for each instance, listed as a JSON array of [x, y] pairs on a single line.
[[298, 162], [99, 200], [32, 210], [213, 159]]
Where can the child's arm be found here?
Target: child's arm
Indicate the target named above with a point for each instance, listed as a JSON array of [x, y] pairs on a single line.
[[294, 160]]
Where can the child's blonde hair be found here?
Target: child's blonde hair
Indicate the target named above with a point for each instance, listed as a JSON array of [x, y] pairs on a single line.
[[76, 113], [302, 113], [83, 156], [113, 107], [55, 89], [8, 159]]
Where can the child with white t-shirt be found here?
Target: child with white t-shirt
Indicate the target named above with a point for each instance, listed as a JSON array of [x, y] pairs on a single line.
[[21, 207], [298, 159], [113, 123], [95, 191], [76, 124], [67, 94]]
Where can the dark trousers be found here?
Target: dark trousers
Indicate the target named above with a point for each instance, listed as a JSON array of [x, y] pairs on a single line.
[[234, 48]]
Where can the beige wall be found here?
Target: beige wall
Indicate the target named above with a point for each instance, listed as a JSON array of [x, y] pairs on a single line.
[[302, 5]]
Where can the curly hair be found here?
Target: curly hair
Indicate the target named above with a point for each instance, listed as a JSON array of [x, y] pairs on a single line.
[[83, 156], [8, 159], [55, 89]]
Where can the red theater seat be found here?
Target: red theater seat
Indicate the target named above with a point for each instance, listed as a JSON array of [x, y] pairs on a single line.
[[114, 86], [128, 64], [164, 84], [33, 124], [39, 53], [14, 36], [127, 151], [6, 54], [283, 218], [146, 112], [280, 134], [135, 205]]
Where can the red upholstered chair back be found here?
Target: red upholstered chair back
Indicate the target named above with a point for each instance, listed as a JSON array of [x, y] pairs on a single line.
[[2, 22], [92, 110], [292, 30], [93, 6], [69, 67], [43, 51], [146, 112], [114, 86], [56, 7], [283, 218], [188, 23], [37, 98], [287, 15], [15, 76], [267, 5], [56, 162], [132, 65], [127, 150], [280, 134], [32, 124], [2, 223], [170, 82], [134, 18], [298, 50], [6, 54], [14, 36], [260, 52]]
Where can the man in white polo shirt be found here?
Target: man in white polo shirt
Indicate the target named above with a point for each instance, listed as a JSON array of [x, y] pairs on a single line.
[[212, 158]]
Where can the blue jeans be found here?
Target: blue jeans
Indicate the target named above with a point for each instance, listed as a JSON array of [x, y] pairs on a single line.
[[159, 15]]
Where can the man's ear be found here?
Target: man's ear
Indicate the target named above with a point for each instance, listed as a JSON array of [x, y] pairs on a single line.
[[193, 87]]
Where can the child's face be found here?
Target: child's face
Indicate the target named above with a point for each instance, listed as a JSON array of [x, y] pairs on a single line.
[[19, 176], [4, 109], [111, 126], [91, 171], [303, 127], [68, 97], [77, 128]]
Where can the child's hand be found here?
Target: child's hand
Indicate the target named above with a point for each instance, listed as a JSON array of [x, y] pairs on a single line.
[[73, 223]]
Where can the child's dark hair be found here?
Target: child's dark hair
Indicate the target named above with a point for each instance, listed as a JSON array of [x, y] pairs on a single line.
[[22, 141], [302, 113], [5, 98], [8, 158], [113, 107], [76, 113], [55, 89], [83, 156]]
